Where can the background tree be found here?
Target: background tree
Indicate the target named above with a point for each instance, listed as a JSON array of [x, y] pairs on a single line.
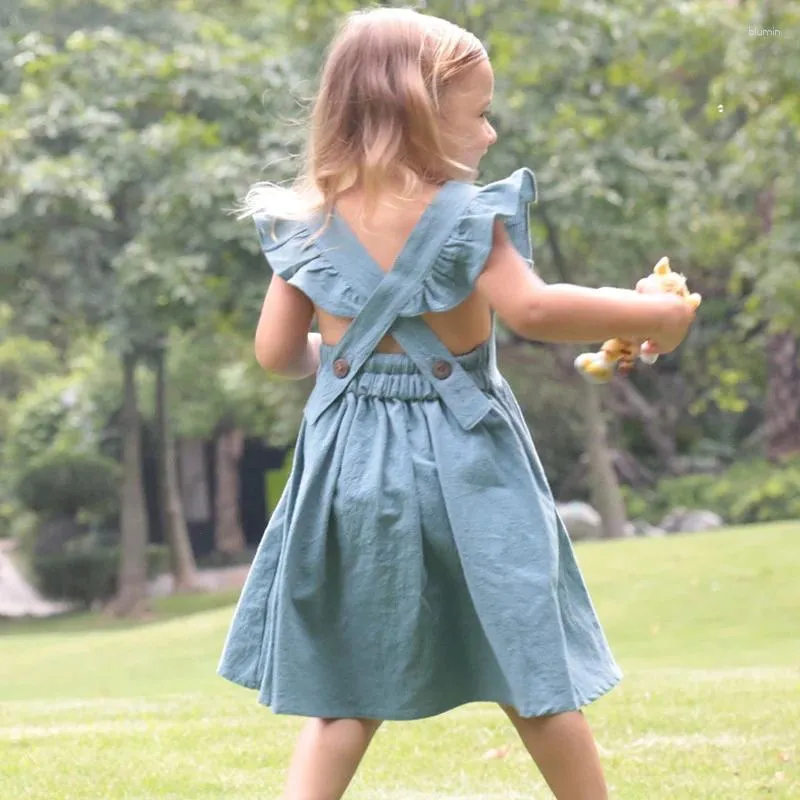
[[653, 128]]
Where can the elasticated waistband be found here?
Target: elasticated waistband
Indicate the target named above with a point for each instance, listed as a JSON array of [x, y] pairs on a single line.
[[395, 375]]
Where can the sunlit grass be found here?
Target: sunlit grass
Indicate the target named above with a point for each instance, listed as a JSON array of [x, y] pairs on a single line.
[[705, 626]]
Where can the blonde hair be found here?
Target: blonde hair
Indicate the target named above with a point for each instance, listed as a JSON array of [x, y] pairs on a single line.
[[376, 117]]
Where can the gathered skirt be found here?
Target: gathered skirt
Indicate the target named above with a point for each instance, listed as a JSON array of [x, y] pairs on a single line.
[[412, 566]]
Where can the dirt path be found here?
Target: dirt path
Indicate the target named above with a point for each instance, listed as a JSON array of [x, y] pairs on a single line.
[[209, 580], [17, 597]]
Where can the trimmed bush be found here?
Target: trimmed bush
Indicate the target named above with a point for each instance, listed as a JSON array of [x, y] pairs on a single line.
[[54, 534], [86, 574], [62, 483]]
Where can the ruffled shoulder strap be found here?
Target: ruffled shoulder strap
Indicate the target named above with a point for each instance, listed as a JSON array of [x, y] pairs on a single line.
[[507, 199], [464, 254], [294, 255], [284, 244]]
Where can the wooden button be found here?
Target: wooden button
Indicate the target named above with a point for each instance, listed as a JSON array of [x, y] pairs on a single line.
[[442, 369], [341, 367]]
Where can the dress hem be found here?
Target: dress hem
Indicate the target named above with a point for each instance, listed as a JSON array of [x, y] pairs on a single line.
[[581, 701]]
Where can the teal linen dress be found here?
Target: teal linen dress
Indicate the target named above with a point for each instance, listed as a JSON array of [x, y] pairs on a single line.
[[416, 560]]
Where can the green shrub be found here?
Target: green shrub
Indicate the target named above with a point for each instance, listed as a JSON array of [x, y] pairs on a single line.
[[22, 363], [87, 574], [57, 414], [38, 419], [17, 523], [749, 491], [759, 492], [60, 482], [6, 519]]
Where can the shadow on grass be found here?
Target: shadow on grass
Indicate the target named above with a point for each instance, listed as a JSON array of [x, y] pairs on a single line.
[[163, 608]]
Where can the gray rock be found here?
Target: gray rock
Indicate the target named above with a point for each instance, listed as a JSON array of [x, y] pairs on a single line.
[[684, 520], [581, 520]]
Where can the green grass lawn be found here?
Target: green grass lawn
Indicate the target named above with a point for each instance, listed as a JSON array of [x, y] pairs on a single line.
[[706, 627]]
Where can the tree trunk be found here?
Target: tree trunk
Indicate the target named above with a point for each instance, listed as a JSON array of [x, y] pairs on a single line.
[[193, 476], [132, 595], [782, 407], [604, 486], [176, 533], [782, 403], [228, 534]]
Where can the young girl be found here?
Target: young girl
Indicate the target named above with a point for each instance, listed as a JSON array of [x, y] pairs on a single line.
[[416, 561]]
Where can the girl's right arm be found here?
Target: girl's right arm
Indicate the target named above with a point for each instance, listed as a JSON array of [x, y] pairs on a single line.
[[545, 312]]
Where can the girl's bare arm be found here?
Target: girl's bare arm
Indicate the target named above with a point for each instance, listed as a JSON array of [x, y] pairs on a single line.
[[566, 313], [283, 343]]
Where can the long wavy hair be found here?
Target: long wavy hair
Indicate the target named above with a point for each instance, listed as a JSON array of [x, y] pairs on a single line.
[[377, 116]]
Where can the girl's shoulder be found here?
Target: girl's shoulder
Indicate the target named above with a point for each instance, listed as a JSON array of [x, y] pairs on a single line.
[[295, 253]]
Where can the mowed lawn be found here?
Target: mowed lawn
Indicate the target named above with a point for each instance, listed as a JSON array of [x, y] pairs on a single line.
[[706, 627]]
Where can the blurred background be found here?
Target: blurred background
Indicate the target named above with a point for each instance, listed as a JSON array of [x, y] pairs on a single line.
[[142, 449]]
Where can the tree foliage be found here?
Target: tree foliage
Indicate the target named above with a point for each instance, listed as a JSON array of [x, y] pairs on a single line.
[[129, 130]]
